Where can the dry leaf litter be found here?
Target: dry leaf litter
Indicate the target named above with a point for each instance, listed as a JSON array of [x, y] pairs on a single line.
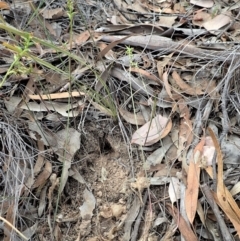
[[123, 124]]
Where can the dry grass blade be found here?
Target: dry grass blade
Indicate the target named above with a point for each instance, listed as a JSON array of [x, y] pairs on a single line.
[[16, 159], [12, 227]]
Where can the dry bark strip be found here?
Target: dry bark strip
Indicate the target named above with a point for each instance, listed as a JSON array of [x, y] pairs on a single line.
[[159, 43]]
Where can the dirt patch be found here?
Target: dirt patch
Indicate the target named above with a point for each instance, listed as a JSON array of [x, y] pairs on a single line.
[[103, 162]]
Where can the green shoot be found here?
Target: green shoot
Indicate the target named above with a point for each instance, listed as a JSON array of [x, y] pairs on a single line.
[[129, 52]]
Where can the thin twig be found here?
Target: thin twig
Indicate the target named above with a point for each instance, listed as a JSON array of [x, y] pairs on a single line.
[[224, 230], [138, 220]]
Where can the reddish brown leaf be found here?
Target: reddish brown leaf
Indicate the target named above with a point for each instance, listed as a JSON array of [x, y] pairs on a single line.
[[81, 38], [224, 197], [145, 73], [4, 5], [161, 65], [43, 176], [183, 227], [109, 54], [191, 196], [200, 18], [135, 119], [184, 86], [166, 84]]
